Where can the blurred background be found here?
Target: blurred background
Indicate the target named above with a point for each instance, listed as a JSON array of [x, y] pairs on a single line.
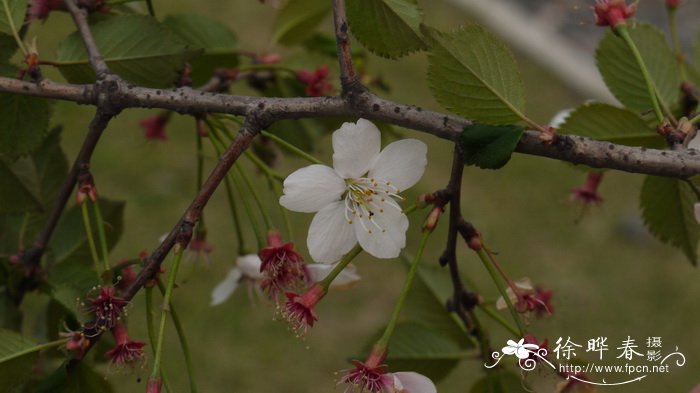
[[609, 277]]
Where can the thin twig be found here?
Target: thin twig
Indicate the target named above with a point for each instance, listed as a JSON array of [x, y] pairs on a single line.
[[460, 306], [449, 257], [248, 131], [348, 76], [79, 16], [81, 164]]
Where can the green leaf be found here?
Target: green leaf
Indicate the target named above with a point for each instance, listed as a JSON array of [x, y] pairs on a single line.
[[499, 381], [135, 47], [19, 189], [324, 44], [10, 315], [69, 297], [473, 74], [299, 19], [489, 147], [8, 47], [624, 77], [424, 350], [16, 9], [388, 28], [75, 377], [217, 40], [16, 360], [51, 166], [70, 241], [24, 121], [426, 304], [608, 123], [667, 208], [44, 172], [693, 75], [429, 339]]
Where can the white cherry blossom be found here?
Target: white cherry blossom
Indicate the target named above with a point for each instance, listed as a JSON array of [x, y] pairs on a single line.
[[412, 382], [247, 268], [356, 199]]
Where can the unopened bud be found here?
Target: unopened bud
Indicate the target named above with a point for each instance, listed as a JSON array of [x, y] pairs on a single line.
[[475, 243], [184, 235], [426, 199], [227, 73], [15, 259], [470, 299], [202, 130], [86, 188], [432, 220], [154, 385], [685, 126], [268, 58]]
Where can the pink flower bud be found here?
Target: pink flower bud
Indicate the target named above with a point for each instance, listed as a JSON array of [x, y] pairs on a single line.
[[317, 82], [613, 12], [154, 126]]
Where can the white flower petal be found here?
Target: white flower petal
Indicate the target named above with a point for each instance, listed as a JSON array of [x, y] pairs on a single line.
[[524, 283], [384, 235], [319, 271], [226, 287], [250, 266], [412, 382], [402, 163], [309, 189], [697, 212], [355, 146], [330, 235]]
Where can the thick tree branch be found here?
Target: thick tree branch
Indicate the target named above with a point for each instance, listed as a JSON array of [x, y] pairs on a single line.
[[574, 149]]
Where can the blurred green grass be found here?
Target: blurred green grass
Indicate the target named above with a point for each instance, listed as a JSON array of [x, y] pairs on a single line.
[[608, 278]]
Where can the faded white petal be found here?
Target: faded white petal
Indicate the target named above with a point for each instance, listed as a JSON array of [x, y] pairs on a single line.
[[560, 118], [412, 382], [523, 284], [309, 189], [402, 163], [355, 146], [697, 212], [319, 271], [226, 287], [330, 234], [384, 235], [250, 266]]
